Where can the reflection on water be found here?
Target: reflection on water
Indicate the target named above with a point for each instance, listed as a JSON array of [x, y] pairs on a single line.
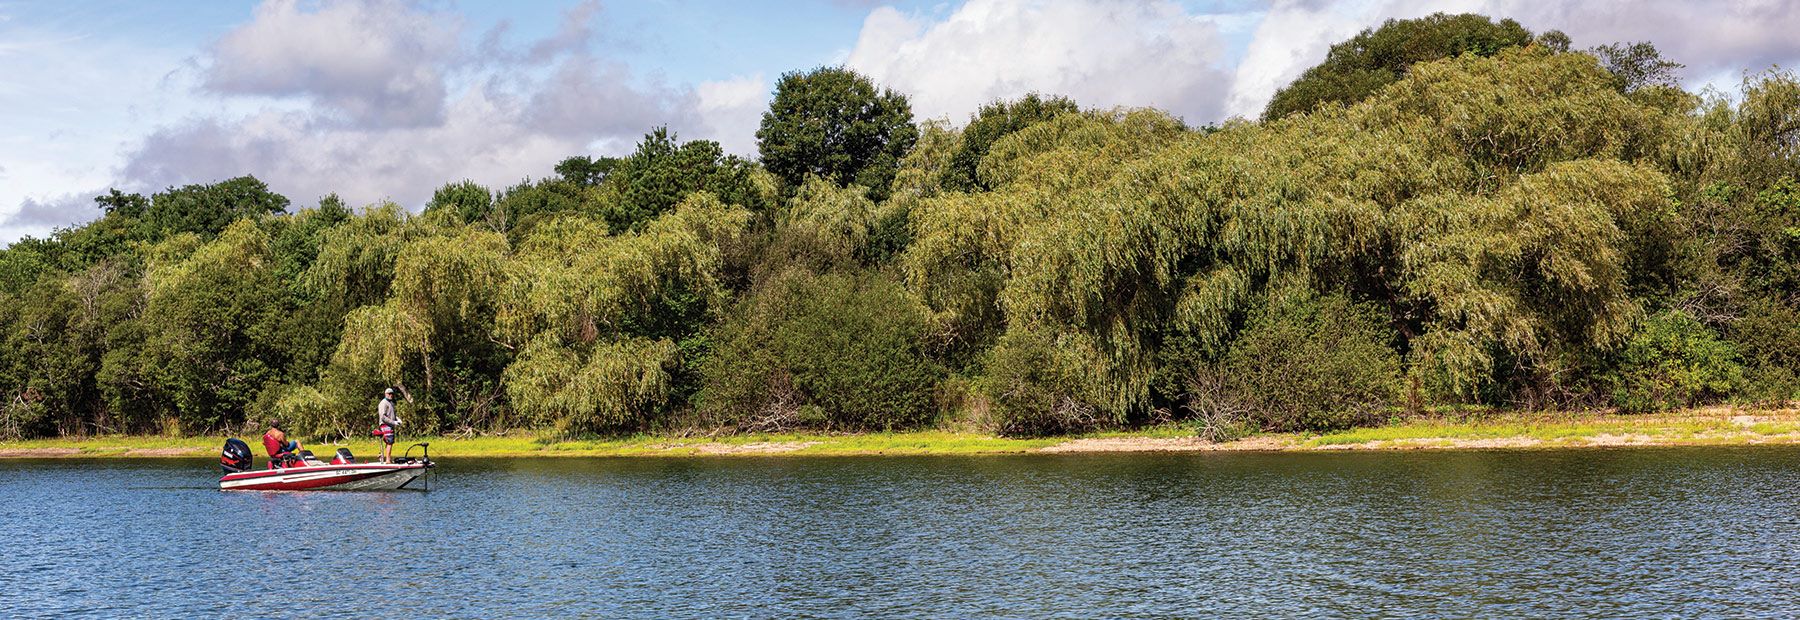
[[1665, 532]]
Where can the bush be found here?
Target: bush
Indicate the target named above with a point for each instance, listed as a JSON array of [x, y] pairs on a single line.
[[308, 412], [1767, 337], [840, 351], [1671, 361], [1037, 386], [611, 387], [1303, 363], [24, 418]]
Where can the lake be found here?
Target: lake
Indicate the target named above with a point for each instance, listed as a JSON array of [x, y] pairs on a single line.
[[1676, 532]]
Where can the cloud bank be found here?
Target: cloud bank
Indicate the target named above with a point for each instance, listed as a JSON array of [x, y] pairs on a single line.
[[392, 103], [388, 99], [1102, 54]]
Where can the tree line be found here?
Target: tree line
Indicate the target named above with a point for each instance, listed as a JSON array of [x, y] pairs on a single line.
[[1448, 212]]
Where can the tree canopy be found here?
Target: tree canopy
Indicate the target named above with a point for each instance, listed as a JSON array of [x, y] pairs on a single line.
[[1376, 57], [1447, 214], [833, 123]]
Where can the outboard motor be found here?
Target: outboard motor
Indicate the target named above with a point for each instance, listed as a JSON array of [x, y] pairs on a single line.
[[343, 457], [235, 457]]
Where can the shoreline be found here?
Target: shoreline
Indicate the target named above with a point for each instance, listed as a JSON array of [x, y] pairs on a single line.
[[1719, 426]]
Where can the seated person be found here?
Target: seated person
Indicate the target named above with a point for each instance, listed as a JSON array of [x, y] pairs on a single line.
[[281, 451]]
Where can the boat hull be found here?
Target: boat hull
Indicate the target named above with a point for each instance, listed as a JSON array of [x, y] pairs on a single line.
[[355, 477]]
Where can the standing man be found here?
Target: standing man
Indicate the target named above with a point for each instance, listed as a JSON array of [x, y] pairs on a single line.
[[387, 424]]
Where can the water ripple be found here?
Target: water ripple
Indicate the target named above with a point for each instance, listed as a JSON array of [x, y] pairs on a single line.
[[1666, 532]]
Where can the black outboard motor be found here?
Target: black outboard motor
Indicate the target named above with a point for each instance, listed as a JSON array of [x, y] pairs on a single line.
[[235, 457]]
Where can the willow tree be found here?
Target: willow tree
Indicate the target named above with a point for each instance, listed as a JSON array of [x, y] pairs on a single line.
[[1494, 230], [354, 264], [961, 253], [430, 337], [1738, 168], [993, 122], [823, 227], [600, 320], [1376, 57]]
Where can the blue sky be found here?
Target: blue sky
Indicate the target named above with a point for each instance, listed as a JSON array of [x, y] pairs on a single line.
[[387, 99]]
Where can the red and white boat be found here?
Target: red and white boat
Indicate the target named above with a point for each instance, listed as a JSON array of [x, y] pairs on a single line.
[[306, 473]]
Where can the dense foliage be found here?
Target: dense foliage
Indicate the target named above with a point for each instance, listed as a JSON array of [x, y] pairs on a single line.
[[1449, 212], [833, 123], [1374, 58]]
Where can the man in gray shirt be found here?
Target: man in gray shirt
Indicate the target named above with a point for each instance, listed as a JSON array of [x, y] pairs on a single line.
[[388, 424]]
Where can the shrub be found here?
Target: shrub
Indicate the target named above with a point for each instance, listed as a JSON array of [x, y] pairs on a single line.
[[613, 386], [1303, 363], [24, 417], [1036, 384], [839, 350], [1767, 337], [1670, 361], [310, 412]]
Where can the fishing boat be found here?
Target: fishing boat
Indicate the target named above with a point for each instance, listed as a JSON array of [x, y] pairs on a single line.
[[304, 472]]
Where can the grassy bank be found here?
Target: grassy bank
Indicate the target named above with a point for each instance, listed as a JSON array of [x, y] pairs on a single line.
[[1716, 426]]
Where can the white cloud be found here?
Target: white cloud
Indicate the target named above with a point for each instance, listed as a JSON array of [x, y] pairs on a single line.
[[587, 96], [391, 98], [487, 140], [731, 111], [514, 114], [1102, 54], [378, 64], [1729, 35], [1710, 37]]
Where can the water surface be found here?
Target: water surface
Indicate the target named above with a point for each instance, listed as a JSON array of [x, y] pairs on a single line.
[[1674, 532]]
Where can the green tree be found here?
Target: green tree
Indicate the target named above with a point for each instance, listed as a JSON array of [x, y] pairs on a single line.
[[1356, 68], [206, 209], [1670, 361], [586, 171], [1496, 236], [663, 171], [1637, 65], [834, 351], [1305, 363], [993, 122], [205, 350], [608, 326], [832, 123], [823, 227], [519, 208], [467, 199], [56, 333], [431, 336]]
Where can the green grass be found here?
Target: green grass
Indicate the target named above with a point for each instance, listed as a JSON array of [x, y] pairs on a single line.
[[529, 444], [1563, 429], [1438, 431]]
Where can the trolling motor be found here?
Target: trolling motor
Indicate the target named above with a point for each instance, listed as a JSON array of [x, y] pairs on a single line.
[[235, 456], [425, 457], [406, 457]]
